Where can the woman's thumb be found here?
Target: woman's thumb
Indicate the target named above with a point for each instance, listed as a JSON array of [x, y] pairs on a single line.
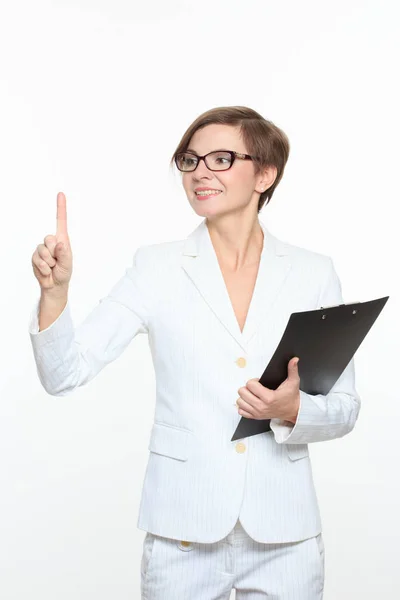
[[59, 249]]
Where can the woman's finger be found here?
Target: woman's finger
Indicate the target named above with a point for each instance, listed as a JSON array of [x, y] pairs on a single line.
[[243, 405], [62, 230]]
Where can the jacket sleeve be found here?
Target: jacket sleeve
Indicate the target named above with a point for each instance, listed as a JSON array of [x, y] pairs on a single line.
[[324, 417], [68, 357]]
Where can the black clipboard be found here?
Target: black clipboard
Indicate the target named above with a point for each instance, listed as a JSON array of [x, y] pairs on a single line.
[[325, 340]]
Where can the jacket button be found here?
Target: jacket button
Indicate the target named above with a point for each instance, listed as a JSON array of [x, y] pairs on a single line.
[[240, 447], [241, 361]]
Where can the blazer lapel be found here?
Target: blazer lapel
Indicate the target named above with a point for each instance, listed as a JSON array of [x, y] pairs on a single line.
[[273, 270], [200, 262]]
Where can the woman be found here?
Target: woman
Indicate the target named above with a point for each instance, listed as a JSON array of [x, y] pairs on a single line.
[[219, 515]]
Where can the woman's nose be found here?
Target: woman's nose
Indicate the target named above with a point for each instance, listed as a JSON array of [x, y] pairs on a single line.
[[202, 170]]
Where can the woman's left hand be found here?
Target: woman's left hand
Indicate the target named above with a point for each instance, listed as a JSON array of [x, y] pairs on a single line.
[[259, 402]]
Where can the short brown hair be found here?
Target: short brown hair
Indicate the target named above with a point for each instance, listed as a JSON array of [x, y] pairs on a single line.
[[263, 139]]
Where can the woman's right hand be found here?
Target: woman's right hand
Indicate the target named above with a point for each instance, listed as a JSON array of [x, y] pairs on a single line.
[[52, 261]]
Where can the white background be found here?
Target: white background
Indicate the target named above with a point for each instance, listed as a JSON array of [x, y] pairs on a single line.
[[94, 97]]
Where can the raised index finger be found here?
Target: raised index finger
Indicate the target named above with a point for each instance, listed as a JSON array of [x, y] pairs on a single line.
[[62, 231]]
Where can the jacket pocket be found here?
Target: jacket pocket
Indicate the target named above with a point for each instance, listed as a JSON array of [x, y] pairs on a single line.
[[297, 451], [170, 441]]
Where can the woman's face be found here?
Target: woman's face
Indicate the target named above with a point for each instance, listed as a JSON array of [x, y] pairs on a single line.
[[235, 188]]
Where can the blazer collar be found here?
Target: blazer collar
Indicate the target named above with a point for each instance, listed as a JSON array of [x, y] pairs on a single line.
[[200, 262]]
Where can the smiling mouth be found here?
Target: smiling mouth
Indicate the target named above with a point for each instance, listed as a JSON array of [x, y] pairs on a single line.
[[205, 193]]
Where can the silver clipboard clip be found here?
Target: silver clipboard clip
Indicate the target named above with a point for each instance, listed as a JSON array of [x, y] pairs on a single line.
[[344, 304]]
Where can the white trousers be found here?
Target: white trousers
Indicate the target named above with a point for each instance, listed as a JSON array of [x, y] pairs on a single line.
[[180, 570]]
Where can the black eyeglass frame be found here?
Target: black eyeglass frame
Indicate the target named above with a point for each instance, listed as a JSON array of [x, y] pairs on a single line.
[[233, 154]]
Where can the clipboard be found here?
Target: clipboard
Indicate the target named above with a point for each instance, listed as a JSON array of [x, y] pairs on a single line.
[[325, 340]]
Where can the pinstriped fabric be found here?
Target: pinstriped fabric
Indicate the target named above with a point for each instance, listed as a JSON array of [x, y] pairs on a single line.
[[180, 570], [197, 483]]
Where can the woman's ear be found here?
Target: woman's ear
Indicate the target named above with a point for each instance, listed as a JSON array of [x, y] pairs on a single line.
[[266, 178]]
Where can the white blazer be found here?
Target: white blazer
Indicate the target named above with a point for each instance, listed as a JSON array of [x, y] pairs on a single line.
[[197, 481]]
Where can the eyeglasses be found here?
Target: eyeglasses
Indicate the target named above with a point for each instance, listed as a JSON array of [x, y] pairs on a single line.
[[219, 160]]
